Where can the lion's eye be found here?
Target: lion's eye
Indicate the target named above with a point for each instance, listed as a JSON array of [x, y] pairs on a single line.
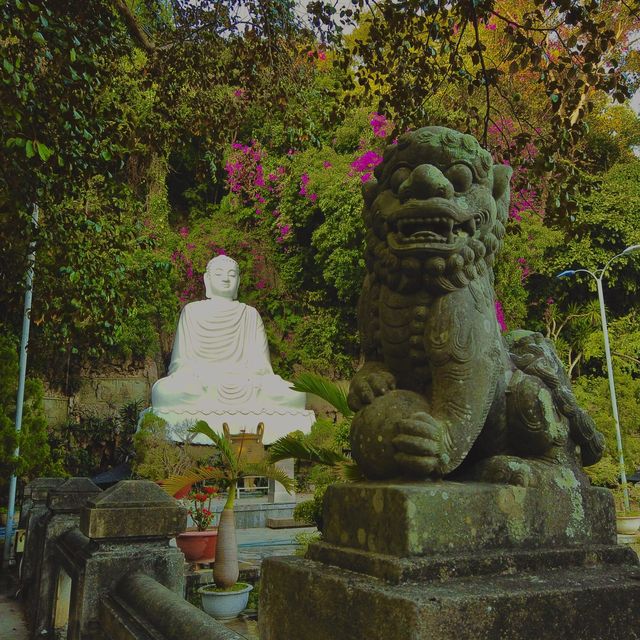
[[460, 177], [398, 177]]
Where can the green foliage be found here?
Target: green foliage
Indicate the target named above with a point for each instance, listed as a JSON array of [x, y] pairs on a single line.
[[311, 510], [523, 258], [328, 233], [291, 446], [593, 394], [89, 444], [606, 222], [324, 447], [633, 495], [613, 131], [156, 457], [55, 58], [303, 540], [35, 457], [605, 473]]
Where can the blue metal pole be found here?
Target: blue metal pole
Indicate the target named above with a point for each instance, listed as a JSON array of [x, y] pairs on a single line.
[[612, 393], [26, 322]]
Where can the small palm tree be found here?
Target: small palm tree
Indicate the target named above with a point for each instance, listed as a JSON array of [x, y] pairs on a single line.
[[228, 471], [290, 446]]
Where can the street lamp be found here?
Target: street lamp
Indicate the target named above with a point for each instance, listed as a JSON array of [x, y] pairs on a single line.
[[607, 352]]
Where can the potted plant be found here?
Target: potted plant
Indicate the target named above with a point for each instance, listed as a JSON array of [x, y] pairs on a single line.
[[627, 519], [199, 545], [227, 597]]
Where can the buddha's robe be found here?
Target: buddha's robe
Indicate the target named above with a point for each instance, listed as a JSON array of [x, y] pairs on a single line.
[[220, 360]]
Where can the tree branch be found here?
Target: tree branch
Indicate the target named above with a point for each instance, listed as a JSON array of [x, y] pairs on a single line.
[[135, 30], [624, 356], [485, 76]]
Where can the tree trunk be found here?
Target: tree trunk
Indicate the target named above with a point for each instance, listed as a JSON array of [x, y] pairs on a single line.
[[226, 569]]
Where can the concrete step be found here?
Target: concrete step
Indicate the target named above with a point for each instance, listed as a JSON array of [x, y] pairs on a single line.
[[286, 523]]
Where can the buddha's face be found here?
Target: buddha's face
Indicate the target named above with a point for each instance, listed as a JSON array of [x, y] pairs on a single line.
[[223, 281]]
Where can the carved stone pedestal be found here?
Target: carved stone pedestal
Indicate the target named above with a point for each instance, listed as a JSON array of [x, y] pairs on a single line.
[[457, 561]]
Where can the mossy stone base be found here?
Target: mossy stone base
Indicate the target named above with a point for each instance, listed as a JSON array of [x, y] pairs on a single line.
[[302, 599], [457, 561], [417, 518], [445, 567]]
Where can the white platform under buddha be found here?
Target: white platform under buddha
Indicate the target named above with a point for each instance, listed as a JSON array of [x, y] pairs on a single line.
[[278, 422]]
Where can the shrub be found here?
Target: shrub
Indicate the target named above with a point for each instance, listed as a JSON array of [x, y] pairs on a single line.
[[35, 457]]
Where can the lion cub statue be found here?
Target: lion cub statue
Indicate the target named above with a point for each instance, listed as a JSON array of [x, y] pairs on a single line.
[[442, 392]]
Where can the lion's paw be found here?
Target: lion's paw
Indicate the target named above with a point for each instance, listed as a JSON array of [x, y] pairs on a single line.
[[366, 388], [422, 446]]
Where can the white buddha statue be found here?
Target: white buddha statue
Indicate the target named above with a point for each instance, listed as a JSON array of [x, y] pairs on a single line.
[[220, 368]]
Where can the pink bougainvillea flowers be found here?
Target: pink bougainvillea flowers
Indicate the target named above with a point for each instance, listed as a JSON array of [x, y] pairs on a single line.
[[500, 316]]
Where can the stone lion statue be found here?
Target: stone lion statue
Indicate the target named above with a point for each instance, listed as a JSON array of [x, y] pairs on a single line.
[[442, 392]]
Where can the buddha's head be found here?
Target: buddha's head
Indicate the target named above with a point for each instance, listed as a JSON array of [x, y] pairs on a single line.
[[222, 277]]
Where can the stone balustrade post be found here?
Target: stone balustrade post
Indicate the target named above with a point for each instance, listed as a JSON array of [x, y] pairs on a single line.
[[123, 530], [32, 510], [64, 503]]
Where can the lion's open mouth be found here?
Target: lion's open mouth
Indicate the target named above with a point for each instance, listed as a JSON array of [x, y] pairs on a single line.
[[429, 228], [441, 230]]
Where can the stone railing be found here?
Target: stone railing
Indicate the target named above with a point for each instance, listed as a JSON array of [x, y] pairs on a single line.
[[99, 566]]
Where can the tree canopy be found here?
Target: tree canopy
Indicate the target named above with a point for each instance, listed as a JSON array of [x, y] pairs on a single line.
[[155, 133]]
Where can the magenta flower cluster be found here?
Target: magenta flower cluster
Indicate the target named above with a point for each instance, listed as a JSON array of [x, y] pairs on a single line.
[[525, 271], [246, 176], [246, 180], [500, 316], [184, 264], [380, 125], [191, 287], [523, 196], [320, 54], [304, 182], [365, 164]]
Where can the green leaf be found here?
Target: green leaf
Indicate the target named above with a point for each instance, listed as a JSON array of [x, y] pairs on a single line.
[[39, 38], [221, 443], [325, 389], [176, 483], [291, 447], [269, 471], [72, 55], [349, 471], [29, 150], [7, 65], [43, 151]]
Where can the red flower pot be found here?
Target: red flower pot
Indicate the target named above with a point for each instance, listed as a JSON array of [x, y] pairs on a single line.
[[198, 546]]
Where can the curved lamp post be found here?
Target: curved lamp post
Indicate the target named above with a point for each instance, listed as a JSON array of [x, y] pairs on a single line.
[[607, 351]]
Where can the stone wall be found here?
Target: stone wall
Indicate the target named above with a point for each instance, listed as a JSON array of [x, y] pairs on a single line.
[[103, 392]]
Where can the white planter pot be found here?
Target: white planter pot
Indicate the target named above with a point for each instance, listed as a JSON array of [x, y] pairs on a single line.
[[627, 525], [224, 605]]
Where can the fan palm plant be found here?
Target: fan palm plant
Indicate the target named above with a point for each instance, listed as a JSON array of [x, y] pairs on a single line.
[[290, 446], [227, 472]]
